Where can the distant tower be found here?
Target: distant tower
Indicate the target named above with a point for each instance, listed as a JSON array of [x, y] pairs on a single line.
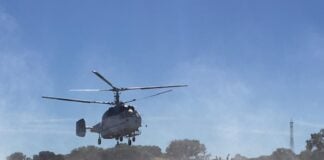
[[291, 135]]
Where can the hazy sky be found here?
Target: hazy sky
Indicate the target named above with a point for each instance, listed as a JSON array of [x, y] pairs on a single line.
[[251, 65]]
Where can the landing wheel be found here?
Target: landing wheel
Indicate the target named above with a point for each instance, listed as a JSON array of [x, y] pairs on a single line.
[[129, 142], [117, 143], [99, 141], [121, 139], [133, 139]]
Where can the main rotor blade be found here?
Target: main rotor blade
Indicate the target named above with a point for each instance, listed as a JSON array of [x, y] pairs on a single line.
[[76, 100], [149, 96], [104, 79], [157, 94], [89, 90], [151, 87]]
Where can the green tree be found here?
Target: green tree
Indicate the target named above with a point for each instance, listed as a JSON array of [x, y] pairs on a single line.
[[17, 156], [186, 149], [47, 155], [86, 153], [305, 155], [125, 152]]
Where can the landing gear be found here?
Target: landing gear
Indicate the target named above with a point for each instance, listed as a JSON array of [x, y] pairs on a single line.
[[129, 142], [99, 140], [120, 139], [117, 143], [133, 139]]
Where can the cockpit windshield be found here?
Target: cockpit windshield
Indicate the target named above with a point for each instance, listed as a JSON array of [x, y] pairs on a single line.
[[113, 111]]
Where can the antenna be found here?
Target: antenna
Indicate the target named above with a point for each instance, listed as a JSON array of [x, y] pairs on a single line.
[[291, 123]]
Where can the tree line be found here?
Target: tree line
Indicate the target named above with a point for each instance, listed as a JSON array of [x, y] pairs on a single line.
[[177, 150]]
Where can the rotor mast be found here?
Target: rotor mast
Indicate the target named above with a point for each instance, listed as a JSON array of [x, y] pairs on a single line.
[[114, 89], [116, 95]]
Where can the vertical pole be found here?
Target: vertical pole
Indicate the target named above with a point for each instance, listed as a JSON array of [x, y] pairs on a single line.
[[291, 135]]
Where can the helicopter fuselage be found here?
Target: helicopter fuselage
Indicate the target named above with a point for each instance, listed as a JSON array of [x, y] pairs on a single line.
[[119, 121]]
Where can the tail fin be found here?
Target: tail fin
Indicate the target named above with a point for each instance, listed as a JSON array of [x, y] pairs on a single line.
[[81, 128]]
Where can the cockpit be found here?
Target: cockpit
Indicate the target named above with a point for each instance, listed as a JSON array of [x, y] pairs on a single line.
[[113, 111]]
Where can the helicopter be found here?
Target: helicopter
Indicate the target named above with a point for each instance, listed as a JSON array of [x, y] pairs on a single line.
[[120, 120]]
